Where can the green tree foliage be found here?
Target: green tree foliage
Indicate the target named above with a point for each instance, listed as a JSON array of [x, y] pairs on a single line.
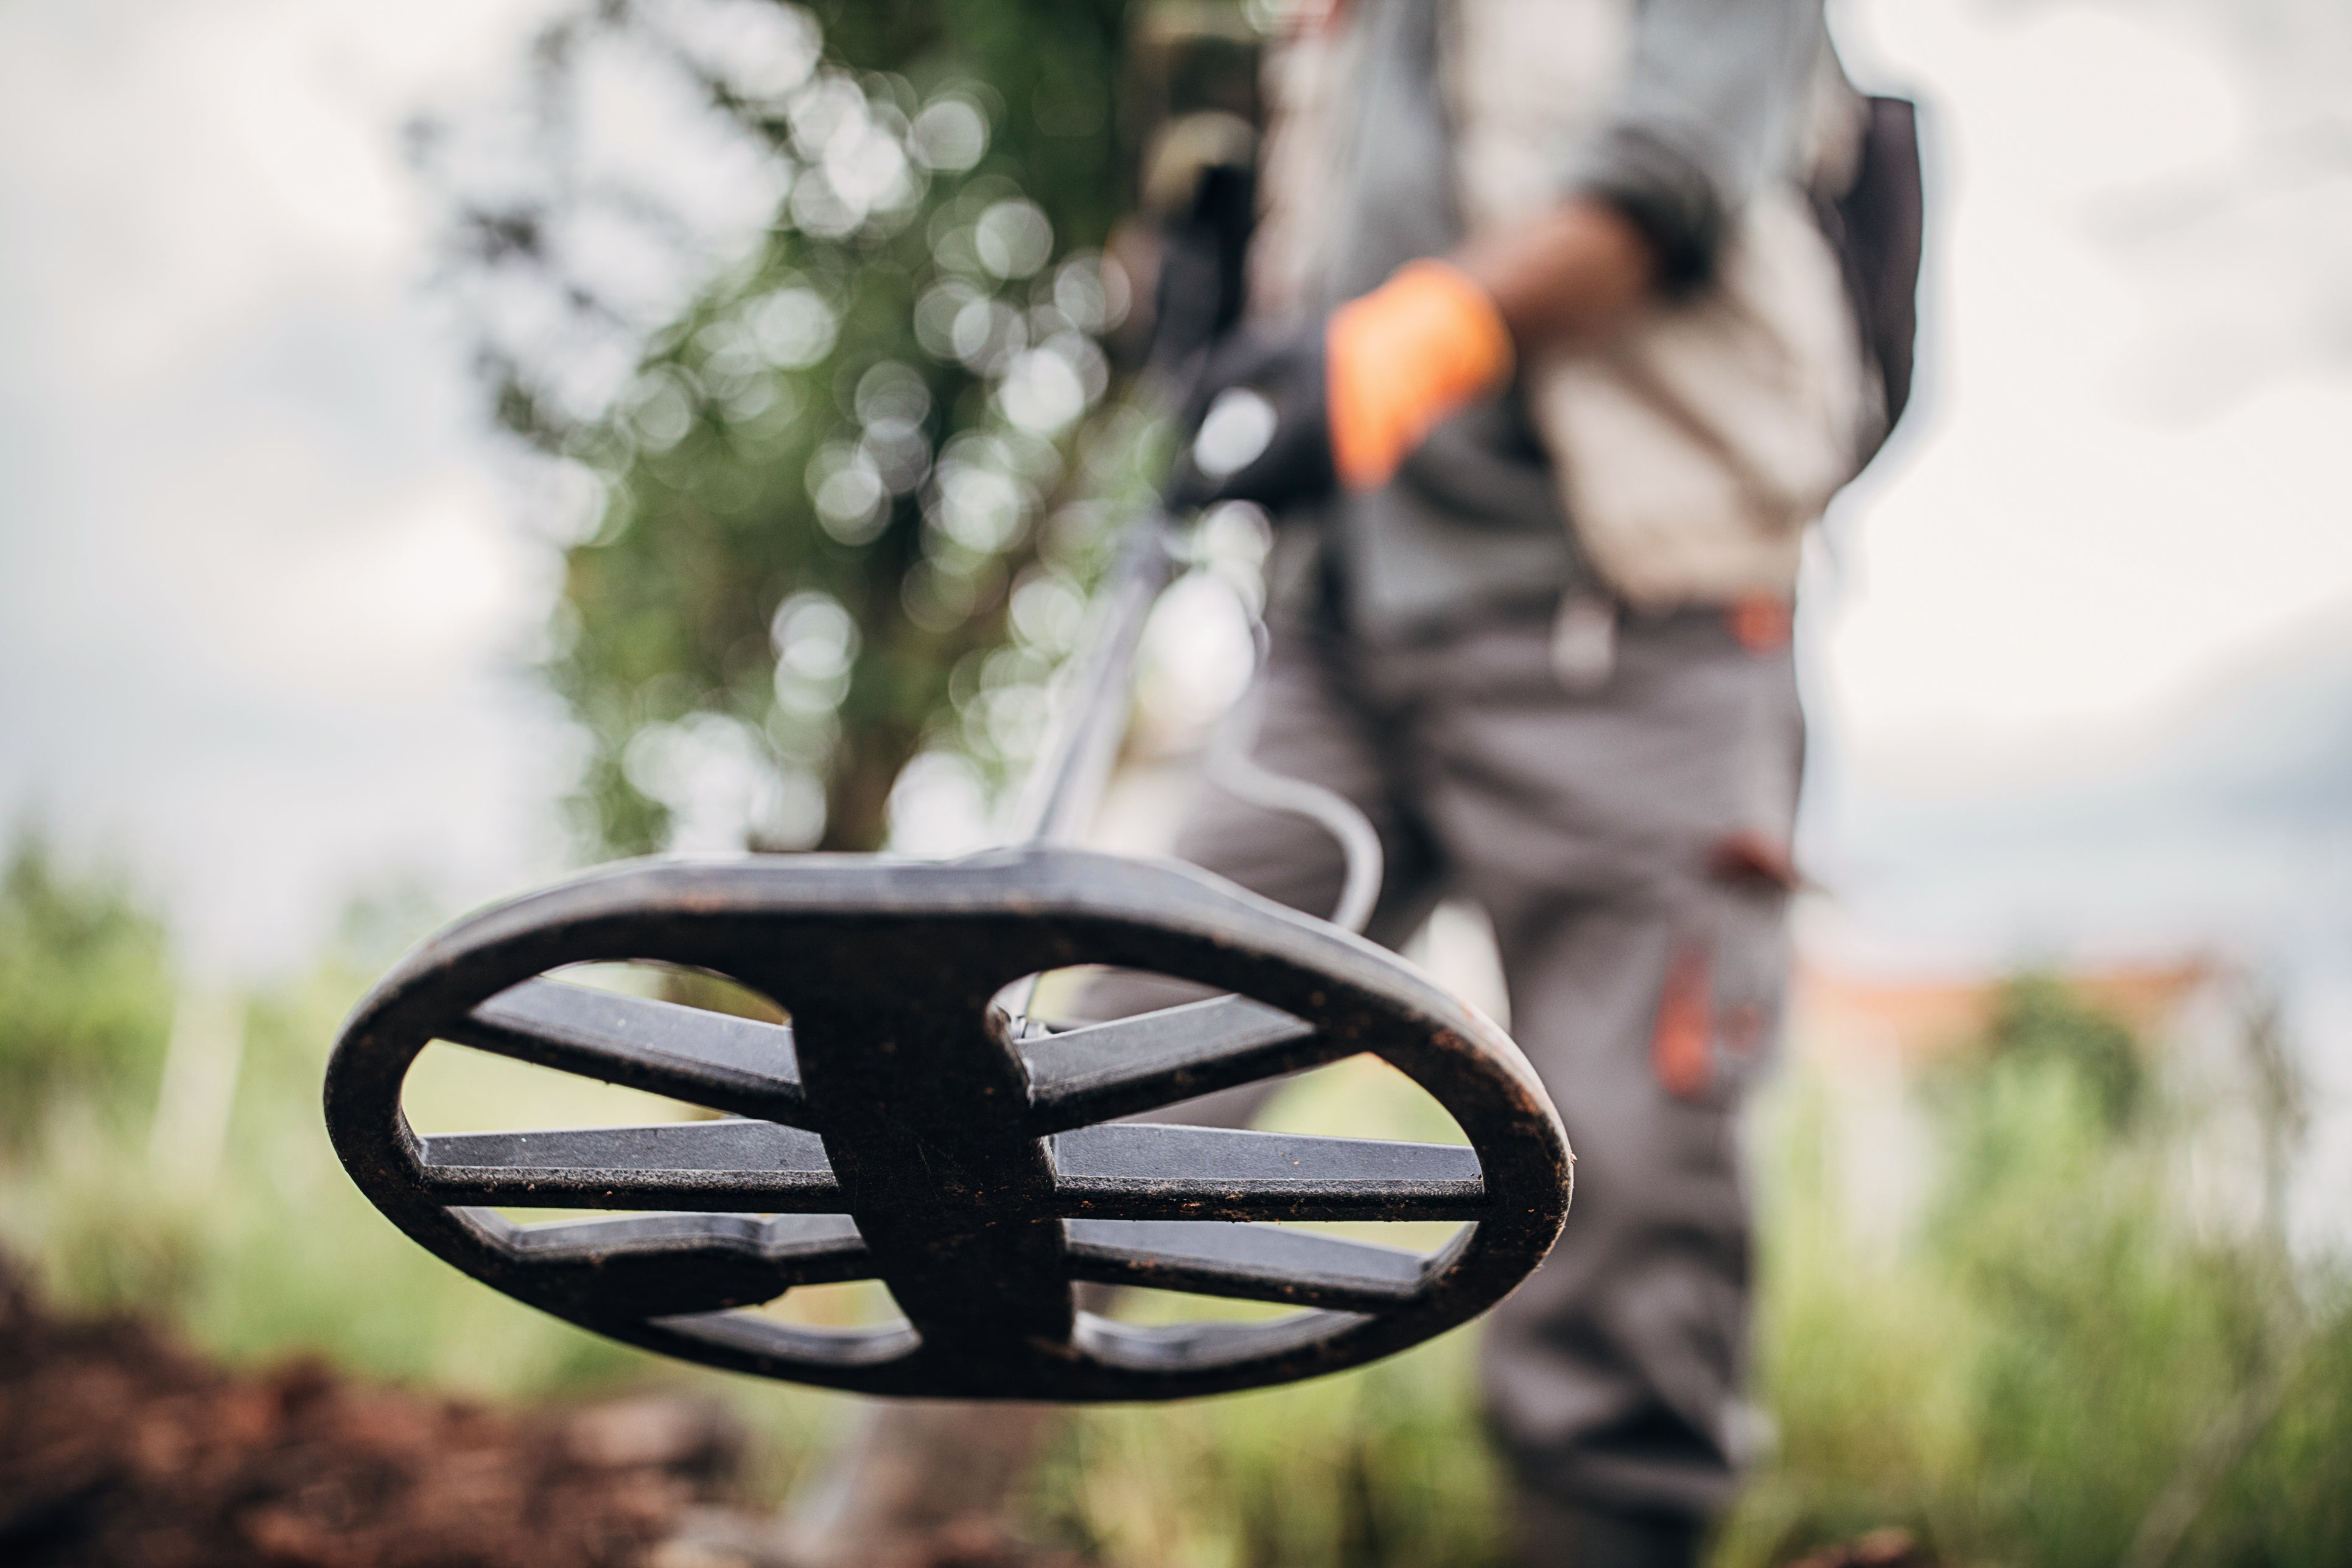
[[85, 989], [840, 482]]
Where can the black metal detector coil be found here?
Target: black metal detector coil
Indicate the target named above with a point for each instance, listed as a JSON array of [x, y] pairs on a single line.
[[906, 1127]]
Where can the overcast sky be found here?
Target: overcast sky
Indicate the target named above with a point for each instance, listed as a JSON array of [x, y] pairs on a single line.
[[262, 595], [2131, 478]]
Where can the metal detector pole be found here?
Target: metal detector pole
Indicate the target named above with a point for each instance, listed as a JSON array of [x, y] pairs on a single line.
[[1065, 785]]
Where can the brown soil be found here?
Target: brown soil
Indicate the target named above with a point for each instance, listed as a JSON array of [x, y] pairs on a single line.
[[118, 1447], [1879, 1548]]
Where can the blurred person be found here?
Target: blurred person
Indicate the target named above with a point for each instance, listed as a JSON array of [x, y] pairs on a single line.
[[1564, 320]]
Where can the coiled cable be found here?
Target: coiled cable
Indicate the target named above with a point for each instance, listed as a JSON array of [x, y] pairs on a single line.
[[1230, 767]]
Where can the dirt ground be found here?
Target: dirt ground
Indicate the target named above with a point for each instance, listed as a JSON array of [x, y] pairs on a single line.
[[122, 1448], [119, 1448]]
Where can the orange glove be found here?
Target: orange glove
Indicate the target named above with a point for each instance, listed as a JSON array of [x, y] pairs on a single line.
[[1402, 359]]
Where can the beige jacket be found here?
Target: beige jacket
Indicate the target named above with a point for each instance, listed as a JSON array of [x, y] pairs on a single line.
[[1693, 448]]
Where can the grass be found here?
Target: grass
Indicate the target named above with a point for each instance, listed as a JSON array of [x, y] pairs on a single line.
[[2056, 1354], [2048, 1360]]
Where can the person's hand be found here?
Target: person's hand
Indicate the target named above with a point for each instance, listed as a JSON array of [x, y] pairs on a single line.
[[1282, 418], [1256, 426]]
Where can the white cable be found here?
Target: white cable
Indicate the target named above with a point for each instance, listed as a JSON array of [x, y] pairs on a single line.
[[1232, 769]]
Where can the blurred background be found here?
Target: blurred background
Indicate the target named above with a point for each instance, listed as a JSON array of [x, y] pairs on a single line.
[[442, 445]]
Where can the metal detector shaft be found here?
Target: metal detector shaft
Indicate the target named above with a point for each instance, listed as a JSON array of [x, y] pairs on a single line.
[[1090, 718]]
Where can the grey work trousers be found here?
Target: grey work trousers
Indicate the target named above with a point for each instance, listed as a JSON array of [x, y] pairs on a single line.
[[1628, 843]]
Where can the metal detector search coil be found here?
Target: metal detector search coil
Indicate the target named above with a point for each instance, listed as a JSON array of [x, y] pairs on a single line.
[[906, 1127]]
